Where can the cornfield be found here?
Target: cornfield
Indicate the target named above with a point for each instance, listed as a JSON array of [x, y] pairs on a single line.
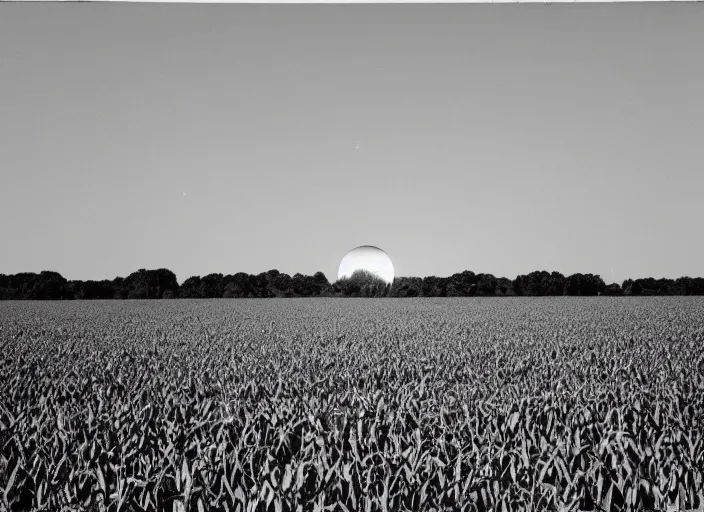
[[353, 404]]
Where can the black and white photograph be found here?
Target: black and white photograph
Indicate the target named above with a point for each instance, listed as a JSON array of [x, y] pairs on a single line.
[[351, 257]]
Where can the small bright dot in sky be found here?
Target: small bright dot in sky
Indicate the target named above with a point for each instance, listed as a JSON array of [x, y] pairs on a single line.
[[184, 194]]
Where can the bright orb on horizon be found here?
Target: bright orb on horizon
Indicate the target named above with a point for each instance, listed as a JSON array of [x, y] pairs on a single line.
[[369, 258]]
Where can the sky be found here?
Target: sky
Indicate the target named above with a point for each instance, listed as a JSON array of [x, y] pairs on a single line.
[[242, 138]]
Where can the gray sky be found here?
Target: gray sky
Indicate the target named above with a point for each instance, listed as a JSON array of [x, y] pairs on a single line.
[[494, 138]]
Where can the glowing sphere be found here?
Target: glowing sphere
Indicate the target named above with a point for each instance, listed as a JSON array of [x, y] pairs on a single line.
[[369, 258]]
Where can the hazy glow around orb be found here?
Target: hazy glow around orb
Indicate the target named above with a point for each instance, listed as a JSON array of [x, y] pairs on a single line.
[[367, 257]]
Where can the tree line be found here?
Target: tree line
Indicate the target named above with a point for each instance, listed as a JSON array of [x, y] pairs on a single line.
[[162, 284]]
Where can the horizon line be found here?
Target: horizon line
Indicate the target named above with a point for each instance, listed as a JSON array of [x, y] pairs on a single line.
[[333, 281]]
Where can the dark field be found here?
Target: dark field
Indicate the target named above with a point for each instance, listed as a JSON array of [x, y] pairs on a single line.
[[353, 404]]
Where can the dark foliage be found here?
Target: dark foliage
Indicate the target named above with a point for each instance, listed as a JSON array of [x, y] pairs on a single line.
[[585, 284], [97, 290], [613, 289], [406, 287], [192, 288], [540, 283], [162, 284], [650, 286], [151, 284], [361, 284], [213, 286]]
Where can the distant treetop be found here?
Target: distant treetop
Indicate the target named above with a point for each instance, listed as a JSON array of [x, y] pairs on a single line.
[[162, 284]]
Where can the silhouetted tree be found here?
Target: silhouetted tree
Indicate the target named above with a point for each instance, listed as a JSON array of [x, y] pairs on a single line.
[[151, 284], [192, 288], [167, 284], [432, 286], [486, 285], [138, 285], [691, 286], [406, 287], [278, 284], [504, 286], [20, 286], [119, 288], [585, 284], [361, 283], [213, 286], [87, 290], [664, 286], [258, 285], [555, 284], [540, 283], [613, 290], [300, 286], [462, 284], [49, 286], [161, 283], [236, 286], [321, 285], [633, 287]]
